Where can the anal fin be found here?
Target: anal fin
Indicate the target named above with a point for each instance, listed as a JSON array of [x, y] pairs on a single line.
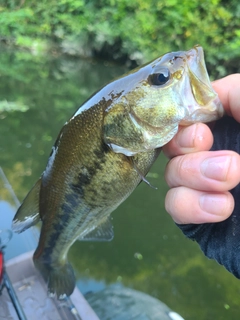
[[28, 213], [103, 232]]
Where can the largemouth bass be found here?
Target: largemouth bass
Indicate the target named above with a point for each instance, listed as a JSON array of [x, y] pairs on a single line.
[[105, 150]]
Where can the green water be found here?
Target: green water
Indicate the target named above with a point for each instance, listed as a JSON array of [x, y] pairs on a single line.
[[148, 253]]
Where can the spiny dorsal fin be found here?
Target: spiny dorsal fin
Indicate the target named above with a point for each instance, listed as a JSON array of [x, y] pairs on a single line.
[[28, 213], [103, 232]]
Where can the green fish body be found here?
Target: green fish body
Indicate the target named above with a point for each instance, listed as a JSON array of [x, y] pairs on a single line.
[[105, 150]]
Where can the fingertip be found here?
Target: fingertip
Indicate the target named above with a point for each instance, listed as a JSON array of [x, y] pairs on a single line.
[[194, 138]]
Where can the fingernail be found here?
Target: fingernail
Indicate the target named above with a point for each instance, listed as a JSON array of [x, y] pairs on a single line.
[[213, 203], [216, 168], [186, 136]]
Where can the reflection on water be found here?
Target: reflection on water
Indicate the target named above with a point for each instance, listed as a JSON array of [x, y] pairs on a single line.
[[148, 253]]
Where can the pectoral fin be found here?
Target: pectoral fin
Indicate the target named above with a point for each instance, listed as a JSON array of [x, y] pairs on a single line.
[[103, 232], [28, 213]]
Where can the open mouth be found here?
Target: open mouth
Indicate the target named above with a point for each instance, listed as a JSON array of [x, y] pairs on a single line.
[[196, 63], [199, 79]]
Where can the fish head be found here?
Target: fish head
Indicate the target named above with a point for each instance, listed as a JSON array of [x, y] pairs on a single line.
[[172, 90]]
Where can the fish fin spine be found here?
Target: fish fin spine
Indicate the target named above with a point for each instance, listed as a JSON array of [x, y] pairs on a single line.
[[27, 214], [103, 232]]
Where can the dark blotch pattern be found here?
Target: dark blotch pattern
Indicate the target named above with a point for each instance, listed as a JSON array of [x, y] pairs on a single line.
[[82, 180], [72, 199], [58, 228], [101, 152], [67, 209]]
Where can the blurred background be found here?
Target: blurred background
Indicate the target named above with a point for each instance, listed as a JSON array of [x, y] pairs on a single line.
[[53, 56], [125, 31]]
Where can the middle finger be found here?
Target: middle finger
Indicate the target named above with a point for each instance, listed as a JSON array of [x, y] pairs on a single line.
[[206, 171]]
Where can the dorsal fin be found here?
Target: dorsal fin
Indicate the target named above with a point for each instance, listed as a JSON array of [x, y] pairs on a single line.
[[103, 232], [28, 213]]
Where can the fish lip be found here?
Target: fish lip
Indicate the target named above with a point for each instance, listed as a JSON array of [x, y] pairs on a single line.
[[203, 102], [196, 63], [198, 72]]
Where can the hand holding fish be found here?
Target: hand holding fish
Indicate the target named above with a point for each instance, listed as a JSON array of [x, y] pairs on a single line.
[[189, 148], [205, 177]]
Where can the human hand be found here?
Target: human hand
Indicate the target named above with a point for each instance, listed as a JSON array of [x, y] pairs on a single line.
[[200, 176], [199, 200]]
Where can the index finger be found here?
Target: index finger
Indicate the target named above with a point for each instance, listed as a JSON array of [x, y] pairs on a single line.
[[228, 89]]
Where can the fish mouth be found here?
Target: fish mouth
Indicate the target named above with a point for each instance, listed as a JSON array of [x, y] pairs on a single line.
[[207, 106], [199, 79]]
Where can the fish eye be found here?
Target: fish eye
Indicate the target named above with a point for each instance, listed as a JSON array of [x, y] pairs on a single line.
[[160, 78]]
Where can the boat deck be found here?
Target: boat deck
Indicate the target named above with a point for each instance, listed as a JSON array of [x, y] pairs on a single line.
[[32, 295]]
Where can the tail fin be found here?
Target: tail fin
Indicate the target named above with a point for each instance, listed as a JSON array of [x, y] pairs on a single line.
[[60, 278]]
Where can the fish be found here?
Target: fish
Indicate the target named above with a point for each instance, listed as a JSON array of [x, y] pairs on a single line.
[[105, 150]]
